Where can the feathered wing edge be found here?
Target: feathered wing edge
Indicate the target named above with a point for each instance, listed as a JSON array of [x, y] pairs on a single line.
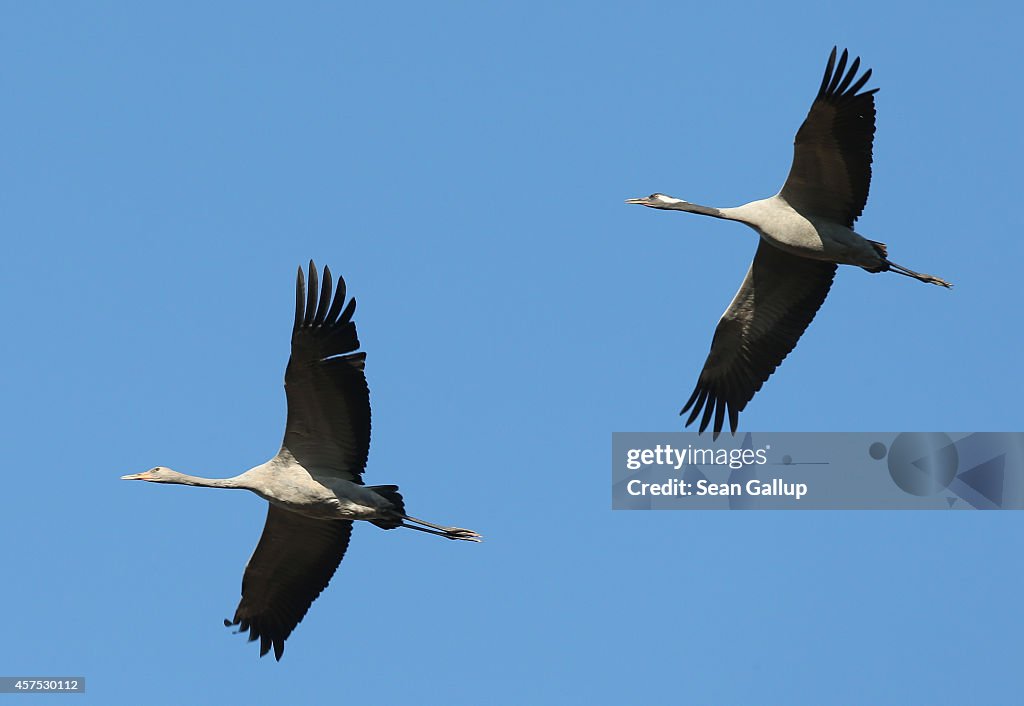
[[832, 153], [328, 398], [778, 299], [292, 564], [313, 313]]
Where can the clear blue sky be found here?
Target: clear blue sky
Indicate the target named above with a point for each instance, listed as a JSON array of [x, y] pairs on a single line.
[[164, 171]]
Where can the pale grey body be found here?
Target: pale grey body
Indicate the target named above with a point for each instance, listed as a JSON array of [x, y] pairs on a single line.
[[288, 485], [806, 235], [806, 230], [314, 483], [318, 494]]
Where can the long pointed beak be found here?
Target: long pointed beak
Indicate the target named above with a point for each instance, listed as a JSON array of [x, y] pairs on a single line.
[[641, 201], [134, 476]]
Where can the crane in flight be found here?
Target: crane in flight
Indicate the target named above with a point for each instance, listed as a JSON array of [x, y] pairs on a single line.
[[805, 231], [314, 484]]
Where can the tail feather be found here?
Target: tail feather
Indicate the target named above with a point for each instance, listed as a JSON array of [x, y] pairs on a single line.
[[391, 494]]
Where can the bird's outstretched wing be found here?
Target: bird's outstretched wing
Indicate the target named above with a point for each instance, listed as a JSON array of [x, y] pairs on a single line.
[[328, 401], [831, 170], [777, 300], [293, 562]]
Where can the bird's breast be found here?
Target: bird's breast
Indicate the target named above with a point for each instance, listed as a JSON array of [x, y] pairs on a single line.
[[810, 237]]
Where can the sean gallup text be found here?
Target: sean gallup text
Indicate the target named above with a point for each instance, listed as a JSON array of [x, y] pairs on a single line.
[[774, 487]]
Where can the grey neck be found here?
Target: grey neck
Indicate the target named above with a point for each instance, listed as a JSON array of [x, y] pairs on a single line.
[[183, 479], [697, 208]]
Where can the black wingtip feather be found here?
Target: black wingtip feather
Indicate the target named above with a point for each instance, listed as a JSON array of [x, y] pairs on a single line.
[[349, 311], [837, 79], [698, 407], [311, 292], [860, 84], [696, 401], [719, 418], [709, 409], [845, 83], [325, 298], [321, 313], [693, 397], [828, 72], [300, 298], [339, 300], [837, 76]]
